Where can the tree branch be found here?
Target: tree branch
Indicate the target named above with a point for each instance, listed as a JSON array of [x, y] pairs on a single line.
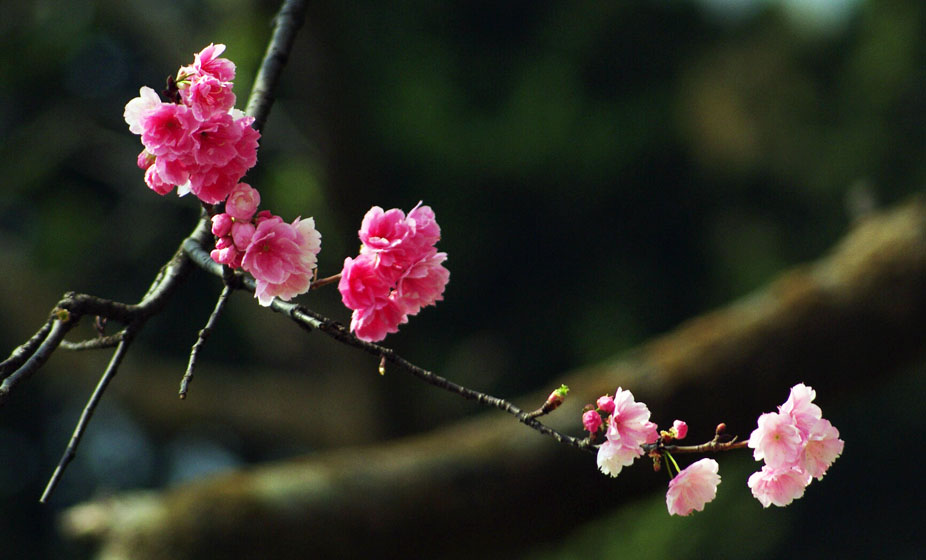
[[287, 22], [858, 313]]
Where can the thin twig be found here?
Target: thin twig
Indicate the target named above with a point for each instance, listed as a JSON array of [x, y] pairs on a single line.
[[325, 281], [201, 340], [59, 328], [89, 409], [23, 351], [313, 320], [98, 343], [286, 23]]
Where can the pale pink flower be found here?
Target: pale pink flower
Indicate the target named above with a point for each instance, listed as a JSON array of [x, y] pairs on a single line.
[[139, 107], [207, 96], [281, 257], [777, 440], [823, 446], [591, 420], [242, 202], [801, 409], [628, 429], [693, 487], [167, 130], [778, 486], [613, 456], [605, 404]]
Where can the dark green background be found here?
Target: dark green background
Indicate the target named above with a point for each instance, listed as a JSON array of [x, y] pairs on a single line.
[[601, 172]]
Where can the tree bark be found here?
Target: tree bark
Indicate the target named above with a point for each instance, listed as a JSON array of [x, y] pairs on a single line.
[[486, 485]]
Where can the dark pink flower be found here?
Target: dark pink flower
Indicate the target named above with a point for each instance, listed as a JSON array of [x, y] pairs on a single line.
[[591, 421], [242, 202], [215, 140], [207, 96], [281, 257], [167, 130], [207, 62]]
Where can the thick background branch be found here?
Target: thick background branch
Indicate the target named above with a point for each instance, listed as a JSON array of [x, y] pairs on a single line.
[[858, 313]]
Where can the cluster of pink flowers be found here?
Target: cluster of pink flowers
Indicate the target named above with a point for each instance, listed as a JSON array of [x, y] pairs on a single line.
[[796, 442], [797, 445], [628, 428], [197, 141], [280, 256], [397, 272]]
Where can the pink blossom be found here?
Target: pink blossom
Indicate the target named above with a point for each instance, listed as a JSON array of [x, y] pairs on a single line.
[[212, 184], [777, 440], [398, 271], [422, 284], [693, 487], [362, 285], [628, 428], [139, 107], [226, 253], [207, 62], [382, 233], [221, 225], [156, 183], [173, 169], [823, 446], [801, 409], [167, 130], [606, 404], [591, 420], [145, 160], [242, 233], [215, 140], [281, 257], [374, 323], [681, 429], [207, 96], [242, 202], [778, 486]]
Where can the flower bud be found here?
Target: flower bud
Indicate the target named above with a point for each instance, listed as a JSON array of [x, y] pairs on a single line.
[[680, 428], [591, 420], [606, 404]]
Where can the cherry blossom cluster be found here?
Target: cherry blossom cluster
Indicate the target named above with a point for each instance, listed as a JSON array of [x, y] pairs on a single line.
[[797, 445], [796, 442], [196, 141], [398, 271], [199, 143], [280, 256]]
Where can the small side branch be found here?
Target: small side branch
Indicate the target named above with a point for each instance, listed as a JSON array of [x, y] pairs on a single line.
[[59, 328], [28, 348], [311, 320], [100, 343], [81, 427], [203, 335]]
